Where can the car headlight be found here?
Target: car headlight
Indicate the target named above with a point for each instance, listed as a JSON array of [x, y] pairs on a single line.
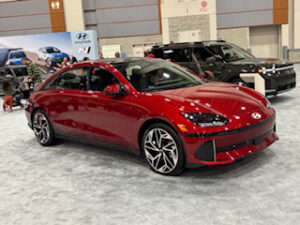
[[206, 119], [268, 103]]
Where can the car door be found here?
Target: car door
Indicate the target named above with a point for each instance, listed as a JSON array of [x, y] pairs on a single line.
[[108, 118], [62, 101]]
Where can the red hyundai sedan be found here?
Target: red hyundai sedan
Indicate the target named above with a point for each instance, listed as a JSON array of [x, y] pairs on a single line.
[[174, 118]]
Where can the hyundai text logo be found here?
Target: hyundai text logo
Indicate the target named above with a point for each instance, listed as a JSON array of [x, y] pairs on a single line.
[[256, 115], [82, 36]]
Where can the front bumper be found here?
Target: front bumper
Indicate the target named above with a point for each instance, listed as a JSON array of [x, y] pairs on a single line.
[[279, 83], [229, 146]]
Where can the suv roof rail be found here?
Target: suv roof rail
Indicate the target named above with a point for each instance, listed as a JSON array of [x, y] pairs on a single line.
[[187, 43]]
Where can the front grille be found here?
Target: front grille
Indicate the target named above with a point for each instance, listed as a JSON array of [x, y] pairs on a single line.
[[256, 141]]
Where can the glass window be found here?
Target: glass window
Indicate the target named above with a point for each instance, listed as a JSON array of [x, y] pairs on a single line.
[[230, 53], [201, 54], [157, 75], [74, 79], [178, 55], [20, 71], [52, 50], [101, 78], [17, 55]]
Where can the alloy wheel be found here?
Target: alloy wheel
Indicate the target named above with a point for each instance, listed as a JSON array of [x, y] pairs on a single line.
[[41, 128], [161, 150]]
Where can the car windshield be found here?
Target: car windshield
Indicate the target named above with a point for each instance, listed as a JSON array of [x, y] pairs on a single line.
[[230, 53], [52, 50], [17, 55], [157, 75]]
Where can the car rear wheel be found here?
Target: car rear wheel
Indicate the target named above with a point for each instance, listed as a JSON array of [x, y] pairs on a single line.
[[163, 150], [42, 128]]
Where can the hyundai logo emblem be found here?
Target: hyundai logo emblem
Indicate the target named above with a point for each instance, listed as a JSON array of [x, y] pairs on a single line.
[[256, 115], [82, 36]]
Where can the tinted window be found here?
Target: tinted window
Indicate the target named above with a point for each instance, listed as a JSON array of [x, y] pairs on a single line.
[[201, 54], [178, 55], [230, 53], [20, 71], [101, 78], [52, 50], [74, 79]]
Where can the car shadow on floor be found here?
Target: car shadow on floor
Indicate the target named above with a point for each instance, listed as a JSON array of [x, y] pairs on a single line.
[[281, 99], [94, 156], [64, 147]]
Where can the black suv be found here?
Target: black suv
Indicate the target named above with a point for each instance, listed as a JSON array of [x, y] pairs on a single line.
[[227, 61]]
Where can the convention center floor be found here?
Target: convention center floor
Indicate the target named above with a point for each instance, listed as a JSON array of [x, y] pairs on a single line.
[[72, 183]]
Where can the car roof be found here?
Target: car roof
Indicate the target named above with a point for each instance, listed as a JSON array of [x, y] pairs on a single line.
[[189, 44], [126, 60]]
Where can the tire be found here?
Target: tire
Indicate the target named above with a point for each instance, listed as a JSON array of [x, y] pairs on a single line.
[[164, 155], [43, 128], [240, 82]]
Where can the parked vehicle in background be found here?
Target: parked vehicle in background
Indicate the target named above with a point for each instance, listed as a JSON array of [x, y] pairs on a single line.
[[176, 119], [15, 73], [227, 61], [51, 55], [15, 57]]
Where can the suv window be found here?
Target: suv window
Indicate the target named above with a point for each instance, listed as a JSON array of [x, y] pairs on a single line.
[[201, 54], [178, 55], [101, 78], [74, 79]]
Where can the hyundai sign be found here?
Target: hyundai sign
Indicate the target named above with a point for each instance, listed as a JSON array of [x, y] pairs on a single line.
[[85, 44]]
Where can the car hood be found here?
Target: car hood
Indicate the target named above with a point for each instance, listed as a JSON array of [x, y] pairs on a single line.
[[231, 101], [265, 62]]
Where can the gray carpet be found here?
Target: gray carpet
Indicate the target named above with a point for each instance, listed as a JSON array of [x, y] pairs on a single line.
[[72, 183]]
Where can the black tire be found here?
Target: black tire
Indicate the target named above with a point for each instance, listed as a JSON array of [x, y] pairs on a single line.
[[178, 167], [240, 82], [44, 135]]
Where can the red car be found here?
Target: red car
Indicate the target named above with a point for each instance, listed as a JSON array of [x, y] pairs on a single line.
[[172, 117]]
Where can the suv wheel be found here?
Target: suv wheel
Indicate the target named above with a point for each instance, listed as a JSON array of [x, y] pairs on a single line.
[[163, 150], [240, 82]]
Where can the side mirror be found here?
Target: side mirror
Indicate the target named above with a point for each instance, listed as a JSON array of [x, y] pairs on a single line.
[[209, 75], [112, 90], [211, 60], [9, 76]]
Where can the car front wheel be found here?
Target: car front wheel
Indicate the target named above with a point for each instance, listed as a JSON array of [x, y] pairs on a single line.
[[163, 150], [42, 128]]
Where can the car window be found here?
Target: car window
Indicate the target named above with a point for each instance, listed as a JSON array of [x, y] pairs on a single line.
[[73, 79], [157, 75], [201, 54], [178, 55], [20, 71], [17, 55], [230, 52], [101, 78], [53, 50]]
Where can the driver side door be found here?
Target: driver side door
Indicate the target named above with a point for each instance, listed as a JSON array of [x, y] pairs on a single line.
[[107, 118]]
